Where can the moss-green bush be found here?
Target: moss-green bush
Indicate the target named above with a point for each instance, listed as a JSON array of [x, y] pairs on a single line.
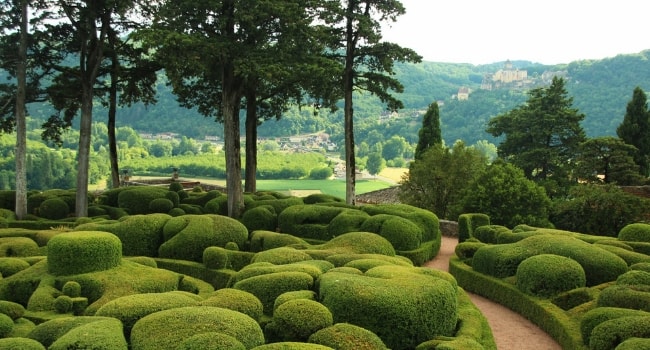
[[11, 309], [18, 247], [353, 243], [264, 268], [191, 209], [288, 345], [222, 258], [166, 329], [136, 199], [73, 253], [201, 198], [236, 300], [427, 220], [49, 331], [262, 217], [211, 340], [279, 204], [467, 249], [20, 344], [634, 344], [10, 266], [281, 256], [308, 221], [53, 209], [467, 223], [141, 235], [131, 308], [6, 325], [404, 310], [347, 221], [489, 233], [161, 205], [596, 316], [632, 297], [546, 275], [269, 286], [502, 260], [609, 334], [634, 277], [218, 205], [637, 232], [63, 304], [298, 294], [641, 267], [573, 298], [321, 198], [72, 289], [264, 240], [345, 336], [400, 232], [106, 332], [187, 236], [628, 255], [296, 320]]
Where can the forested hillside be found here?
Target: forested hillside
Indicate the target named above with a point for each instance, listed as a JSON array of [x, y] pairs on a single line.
[[600, 88]]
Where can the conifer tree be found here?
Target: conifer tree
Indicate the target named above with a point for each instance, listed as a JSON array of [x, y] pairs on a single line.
[[430, 133], [635, 129]]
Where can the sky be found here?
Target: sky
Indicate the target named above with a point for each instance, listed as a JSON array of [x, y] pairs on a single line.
[[546, 31]]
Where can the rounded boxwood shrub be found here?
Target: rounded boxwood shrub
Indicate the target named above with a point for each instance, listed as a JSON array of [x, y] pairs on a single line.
[[20, 344], [166, 329], [632, 297], [404, 311], [6, 325], [546, 275], [53, 209], [298, 294], [63, 304], [634, 344], [281, 256], [609, 334], [291, 345], [9, 266], [297, 319], [107, 332], [262, 217], [269, 286], [596, 316], [131, 308], [634, 277], [136, 199], [160, 205], [175, 186], [345, 336], [11, 309], [72, 253], [400, 232], [264, 240], [211, 340], [641, 267], [347, 221], [18, 246], [637, 232], [236, 300]]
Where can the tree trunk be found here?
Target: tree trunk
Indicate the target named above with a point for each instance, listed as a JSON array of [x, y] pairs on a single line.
[[21, 128], [251, 145], [348, 86], [83, 154], [112, 111], [230, 103]]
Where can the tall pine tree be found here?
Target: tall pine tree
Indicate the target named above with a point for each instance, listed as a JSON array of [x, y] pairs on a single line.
[[635, 129], [430, 133]]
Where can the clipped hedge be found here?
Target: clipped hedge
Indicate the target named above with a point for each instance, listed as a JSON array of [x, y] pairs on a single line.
[[609, 334], [135, 200], [502, 260], [468, 222], [401, 233], [72, 253], [53, 209], [596, 316], [546, 275], [632, 297], [637, 232], [345, 336], [308, 221], [262, 217], [297, 320], [166, 329], [403, 311], [268, 287], [187, 236], [236, 300]]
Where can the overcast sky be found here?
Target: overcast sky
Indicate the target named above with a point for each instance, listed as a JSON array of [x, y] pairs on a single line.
[[547, 31]]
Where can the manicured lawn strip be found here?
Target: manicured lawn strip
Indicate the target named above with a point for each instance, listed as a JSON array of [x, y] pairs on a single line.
[[553, 320], [332, 187]]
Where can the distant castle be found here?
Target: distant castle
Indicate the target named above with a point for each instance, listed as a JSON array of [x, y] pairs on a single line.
[[506, 76]]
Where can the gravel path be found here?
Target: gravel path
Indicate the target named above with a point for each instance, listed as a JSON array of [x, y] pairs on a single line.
[[511, 331]]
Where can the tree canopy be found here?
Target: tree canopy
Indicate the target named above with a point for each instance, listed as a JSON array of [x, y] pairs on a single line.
[[635, 129], [429, 133]]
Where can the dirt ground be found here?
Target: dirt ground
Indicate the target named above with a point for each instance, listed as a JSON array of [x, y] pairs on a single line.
[[511, 331]]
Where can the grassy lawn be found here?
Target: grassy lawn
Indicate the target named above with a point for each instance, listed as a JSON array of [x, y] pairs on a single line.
[[294, 187]]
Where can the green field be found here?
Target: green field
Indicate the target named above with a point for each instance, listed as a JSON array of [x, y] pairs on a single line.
[[331, 187]]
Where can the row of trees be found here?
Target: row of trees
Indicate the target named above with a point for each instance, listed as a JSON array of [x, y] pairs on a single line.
[[220, 56], [544, 161]]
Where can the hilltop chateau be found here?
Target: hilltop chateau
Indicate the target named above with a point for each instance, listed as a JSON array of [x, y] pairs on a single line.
[[508, 76]]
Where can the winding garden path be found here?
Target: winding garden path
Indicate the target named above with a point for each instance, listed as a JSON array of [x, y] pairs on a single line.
[[511, 331]]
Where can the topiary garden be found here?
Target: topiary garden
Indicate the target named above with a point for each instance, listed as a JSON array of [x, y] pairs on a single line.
[[302, 273]]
